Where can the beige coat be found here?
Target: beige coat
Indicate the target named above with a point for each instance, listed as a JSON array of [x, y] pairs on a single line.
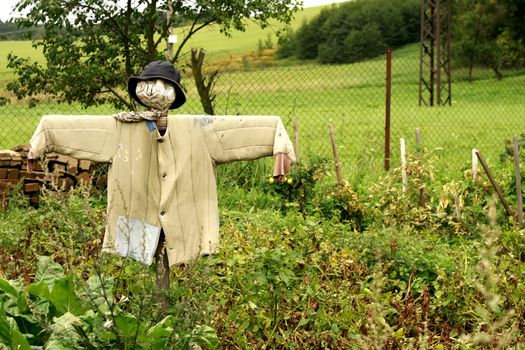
[[162, 182]]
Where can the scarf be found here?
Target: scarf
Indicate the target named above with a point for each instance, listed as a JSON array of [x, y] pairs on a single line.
[[157, 95]]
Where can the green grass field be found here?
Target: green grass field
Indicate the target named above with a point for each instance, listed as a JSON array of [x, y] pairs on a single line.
[[218, 46], [484, 113]]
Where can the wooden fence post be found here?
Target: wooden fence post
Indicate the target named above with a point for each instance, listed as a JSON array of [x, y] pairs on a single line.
[[474, 164], [494, 184], [296, 140], [517, 175], [403, 164], [336, 157], [387, 107]]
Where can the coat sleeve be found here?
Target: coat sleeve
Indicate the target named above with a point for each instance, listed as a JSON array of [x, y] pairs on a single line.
[[233, 138], [80, 136]]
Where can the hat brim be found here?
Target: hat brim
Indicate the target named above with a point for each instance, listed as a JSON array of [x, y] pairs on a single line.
[[180, 97]]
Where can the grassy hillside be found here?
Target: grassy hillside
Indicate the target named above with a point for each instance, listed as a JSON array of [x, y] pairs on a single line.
[[217, 45], [19, 48]]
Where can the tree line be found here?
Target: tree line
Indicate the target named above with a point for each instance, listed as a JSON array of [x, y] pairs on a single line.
[[353, 31], [487, 33], [11, 31]]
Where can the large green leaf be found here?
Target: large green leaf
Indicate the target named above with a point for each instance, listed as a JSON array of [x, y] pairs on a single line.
[[40, 289], [18, 341], [5, 328], [64, 299], [64, 334], [16, 302], [48, 271], [205, 335], [9, 333], [7, 288], [127, 326], [100, 289], [157, 335]]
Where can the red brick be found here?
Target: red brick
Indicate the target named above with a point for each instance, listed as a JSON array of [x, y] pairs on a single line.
[[72, 162], [31, 187], [83, 177], [84, 164], [13, 174], [72, 170], [8, 183]]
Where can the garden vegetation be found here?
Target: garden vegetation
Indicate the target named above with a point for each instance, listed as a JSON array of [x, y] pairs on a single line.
[[302, 265]]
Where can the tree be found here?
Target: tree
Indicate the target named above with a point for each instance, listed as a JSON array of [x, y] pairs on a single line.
[[489, 33], [93, 46], [364, 43], [356, 30]]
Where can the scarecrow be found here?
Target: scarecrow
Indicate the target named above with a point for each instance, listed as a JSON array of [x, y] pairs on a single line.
[[162, 178]]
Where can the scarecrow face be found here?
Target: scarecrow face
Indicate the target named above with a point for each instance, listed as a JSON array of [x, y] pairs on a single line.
[[156, 94]]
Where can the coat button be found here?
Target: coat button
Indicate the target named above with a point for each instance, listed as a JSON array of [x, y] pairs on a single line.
[[164, 175], [162, 212], [160, 140]]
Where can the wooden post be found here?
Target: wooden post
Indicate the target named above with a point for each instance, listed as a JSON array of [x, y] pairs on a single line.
[[387, 107], [517, 175], [162, 275], [296, 139], [162, 268], [474, 164], [336, 157], [494, 184], [403, 164]]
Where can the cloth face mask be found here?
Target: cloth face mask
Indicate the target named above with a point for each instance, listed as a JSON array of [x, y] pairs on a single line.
[[156, 94]]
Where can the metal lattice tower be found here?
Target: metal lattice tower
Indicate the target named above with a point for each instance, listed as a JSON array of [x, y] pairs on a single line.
[[435, 74]]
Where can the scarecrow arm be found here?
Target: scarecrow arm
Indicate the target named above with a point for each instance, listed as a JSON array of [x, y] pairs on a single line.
[[82, 137], [250, 137]]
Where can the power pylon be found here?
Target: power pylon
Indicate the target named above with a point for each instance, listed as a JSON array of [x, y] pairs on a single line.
[[435, 73]]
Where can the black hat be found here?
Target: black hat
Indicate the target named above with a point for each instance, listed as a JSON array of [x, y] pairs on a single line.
[[159, 70]]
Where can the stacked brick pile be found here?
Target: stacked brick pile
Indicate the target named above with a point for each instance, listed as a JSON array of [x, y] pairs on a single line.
[[56, 172]]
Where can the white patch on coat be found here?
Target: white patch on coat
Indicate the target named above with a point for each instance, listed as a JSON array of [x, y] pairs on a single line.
[[136, 239]]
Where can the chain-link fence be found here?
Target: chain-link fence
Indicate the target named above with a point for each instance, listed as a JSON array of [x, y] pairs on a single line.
[[485, 112]]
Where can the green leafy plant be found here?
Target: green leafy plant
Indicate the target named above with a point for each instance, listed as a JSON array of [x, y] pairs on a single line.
[[52, 313], [343, 204], [298, 188]]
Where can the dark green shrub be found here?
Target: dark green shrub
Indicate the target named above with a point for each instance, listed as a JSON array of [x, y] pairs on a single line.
[[356, 30], [364, 43]]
